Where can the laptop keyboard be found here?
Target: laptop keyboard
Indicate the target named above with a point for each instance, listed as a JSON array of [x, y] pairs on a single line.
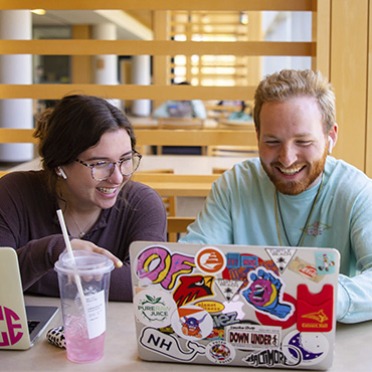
[[32, 324]]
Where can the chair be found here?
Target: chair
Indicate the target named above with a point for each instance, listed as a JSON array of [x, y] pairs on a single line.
[[169, 201], [217, 170], [233, 151], [235, 124], [176, 226], [181, 123]]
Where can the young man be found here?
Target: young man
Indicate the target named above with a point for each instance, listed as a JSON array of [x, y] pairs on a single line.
[[295, 194]]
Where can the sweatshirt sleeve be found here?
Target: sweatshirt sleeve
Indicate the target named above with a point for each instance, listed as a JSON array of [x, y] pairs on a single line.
[[24, 221], [354, 301], [37, 257]]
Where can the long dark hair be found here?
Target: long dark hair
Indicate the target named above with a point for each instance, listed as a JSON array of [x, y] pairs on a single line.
[[75, 124]]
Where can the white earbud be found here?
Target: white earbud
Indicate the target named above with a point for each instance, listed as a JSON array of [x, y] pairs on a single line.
[[330, 146], [61, 173]]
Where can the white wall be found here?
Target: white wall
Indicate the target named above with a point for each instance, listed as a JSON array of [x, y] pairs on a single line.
[[286, 26]]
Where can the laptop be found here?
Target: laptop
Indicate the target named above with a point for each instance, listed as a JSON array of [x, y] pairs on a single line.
[[234, 305], [20, 325]]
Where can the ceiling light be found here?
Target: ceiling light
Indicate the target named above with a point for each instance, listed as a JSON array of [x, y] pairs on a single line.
[[39, 11]]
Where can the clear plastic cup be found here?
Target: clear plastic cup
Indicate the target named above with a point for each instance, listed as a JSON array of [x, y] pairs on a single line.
[[84, 285]]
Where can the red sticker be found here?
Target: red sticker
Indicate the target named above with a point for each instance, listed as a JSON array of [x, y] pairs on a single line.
[[315, 310]]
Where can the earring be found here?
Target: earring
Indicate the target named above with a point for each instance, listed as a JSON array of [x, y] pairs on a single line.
[[61, 173]]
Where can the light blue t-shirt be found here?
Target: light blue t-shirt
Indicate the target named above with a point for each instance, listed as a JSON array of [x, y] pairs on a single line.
[[241, 209]]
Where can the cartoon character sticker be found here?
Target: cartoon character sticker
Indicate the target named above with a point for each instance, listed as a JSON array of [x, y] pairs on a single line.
[[325, 263], [192, 288], [265, 294], [192, 323]]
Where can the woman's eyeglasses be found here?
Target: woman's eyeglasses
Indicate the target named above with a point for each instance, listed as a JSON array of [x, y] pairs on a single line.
[[102, 170]]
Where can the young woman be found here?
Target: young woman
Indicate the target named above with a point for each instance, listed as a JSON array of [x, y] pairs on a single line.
[[87, 147]]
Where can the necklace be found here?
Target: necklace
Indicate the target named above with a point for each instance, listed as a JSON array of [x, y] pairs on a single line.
[[280, 217], [82, 232]]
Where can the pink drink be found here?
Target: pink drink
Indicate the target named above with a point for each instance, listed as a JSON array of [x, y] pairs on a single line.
[[81, 349]]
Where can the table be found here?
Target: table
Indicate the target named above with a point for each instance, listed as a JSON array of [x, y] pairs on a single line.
[[352, 348], [188, 164]]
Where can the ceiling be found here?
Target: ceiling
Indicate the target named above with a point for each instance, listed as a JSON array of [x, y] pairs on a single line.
[[130, 26]]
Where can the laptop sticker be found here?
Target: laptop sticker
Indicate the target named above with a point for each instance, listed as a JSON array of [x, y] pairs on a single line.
[[155, 264], [305, 348], [265, 294], [210, 260], [269, 358], [211, 306], [192, 323], [281, 257], [154, 307], [305, 269], [325, 263], [239, 265], [315, 310], [229, 288], [235, 305], [220, 322], [192, 288], [169, 345], [13, 328], [250, 337], [220, 352]]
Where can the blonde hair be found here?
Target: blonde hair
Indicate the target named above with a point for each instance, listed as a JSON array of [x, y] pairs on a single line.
[[286, 84]]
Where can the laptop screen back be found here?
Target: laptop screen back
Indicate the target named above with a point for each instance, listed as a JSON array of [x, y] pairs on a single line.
[[235, 305]]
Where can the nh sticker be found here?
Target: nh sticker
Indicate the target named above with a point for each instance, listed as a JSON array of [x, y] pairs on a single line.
[[168, 345]]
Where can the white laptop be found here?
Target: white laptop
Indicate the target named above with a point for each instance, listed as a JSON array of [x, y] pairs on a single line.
[[20, 326], [233, 305]]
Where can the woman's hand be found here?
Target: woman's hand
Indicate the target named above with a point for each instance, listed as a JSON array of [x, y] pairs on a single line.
[[79, 244]]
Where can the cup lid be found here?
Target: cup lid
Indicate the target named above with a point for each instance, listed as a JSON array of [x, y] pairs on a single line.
[[84, 262]]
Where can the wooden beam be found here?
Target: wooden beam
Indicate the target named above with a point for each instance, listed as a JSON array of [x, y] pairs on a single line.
[[159, 137], [194, 137], [13, 135], [285, 5], [126, 92], [156, 48]]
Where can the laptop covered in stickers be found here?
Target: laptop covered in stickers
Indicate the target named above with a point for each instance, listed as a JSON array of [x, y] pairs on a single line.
[[20, 325], [234, 305]]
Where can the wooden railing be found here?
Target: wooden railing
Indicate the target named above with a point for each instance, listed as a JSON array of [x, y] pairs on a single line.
[[161, 137], [161, 46]]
